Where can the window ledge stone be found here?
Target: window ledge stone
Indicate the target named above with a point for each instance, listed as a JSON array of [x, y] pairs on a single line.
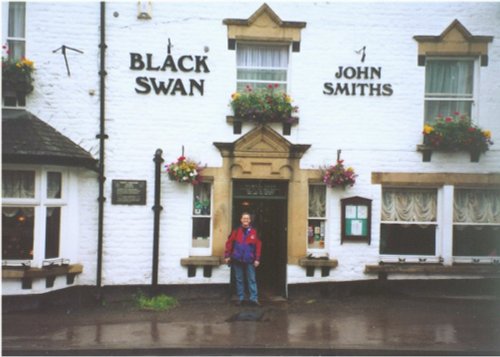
[[207, 263], [428, 150], [36, 273], [312, 263], [433, 269]]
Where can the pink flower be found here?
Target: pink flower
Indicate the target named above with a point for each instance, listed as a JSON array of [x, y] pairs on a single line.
[[456, 113], [449, 119]]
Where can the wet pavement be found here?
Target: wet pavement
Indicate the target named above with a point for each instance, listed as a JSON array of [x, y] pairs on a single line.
[[349, 325]]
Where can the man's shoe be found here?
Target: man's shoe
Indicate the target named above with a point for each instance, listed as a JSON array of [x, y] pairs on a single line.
[[239, 303], [255, 303]]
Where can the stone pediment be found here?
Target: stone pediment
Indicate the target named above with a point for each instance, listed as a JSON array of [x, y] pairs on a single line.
[[455, 40], [263, 142], [264, 25]]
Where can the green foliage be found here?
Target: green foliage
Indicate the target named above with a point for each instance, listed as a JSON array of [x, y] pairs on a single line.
[[160, 302], [17, 76], [263, 105], [455, 133]]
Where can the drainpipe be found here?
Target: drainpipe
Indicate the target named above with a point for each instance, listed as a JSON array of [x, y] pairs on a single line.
[[157, 208], [102, 136]]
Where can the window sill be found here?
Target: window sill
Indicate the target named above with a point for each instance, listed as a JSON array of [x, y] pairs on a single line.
[[49, 273], [312, 263], [236, 122], [433, 269], [36, 273], [206, 262], [427, 153]]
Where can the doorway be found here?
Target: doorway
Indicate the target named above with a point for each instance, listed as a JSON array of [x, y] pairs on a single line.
[[266, 201]]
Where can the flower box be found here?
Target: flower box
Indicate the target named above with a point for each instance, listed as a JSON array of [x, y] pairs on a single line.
[[263, 105], [454, 133], [17, 81]]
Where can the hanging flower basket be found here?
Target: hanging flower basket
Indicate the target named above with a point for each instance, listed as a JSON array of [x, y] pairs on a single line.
[[263, 105], [185, 171], [338, 175], [17, 77]]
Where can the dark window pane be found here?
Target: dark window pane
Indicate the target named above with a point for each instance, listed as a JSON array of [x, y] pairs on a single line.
[[201, 232], [52, 230], [407, 239], [17, 232], [476, 241], [54, 185]]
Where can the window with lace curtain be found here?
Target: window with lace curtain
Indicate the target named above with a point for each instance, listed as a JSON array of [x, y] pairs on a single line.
[[449, 87], [32, 209], [409, 219], [317, 217], [476, 223], [258, 65]]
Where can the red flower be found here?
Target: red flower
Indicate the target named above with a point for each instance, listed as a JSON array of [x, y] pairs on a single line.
[[181, 158], [270, 86], [449, 119], [276, 85], [456, 113], [471, 129]]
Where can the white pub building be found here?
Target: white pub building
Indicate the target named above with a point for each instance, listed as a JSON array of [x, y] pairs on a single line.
[[366, 144]]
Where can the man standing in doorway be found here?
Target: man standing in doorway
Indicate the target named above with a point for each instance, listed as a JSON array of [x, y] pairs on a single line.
[[243, 248]]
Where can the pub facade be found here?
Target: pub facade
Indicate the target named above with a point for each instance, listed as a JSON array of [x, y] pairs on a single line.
[[361, 137]]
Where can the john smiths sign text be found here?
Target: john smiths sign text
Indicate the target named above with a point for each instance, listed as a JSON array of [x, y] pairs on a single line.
[[165, 67], [353, 81]]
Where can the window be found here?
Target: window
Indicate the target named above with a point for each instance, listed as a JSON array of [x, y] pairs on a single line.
[[14, 29], [14, 42], [33, 206], [476, 223], [317, 217], [409, 218], [201, 218], [449, 87], [259, 65]]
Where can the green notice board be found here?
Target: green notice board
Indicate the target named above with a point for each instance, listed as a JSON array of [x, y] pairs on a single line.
[[356, 220]]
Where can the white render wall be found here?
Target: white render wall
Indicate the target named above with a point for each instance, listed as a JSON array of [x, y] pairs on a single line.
[[374, 133]]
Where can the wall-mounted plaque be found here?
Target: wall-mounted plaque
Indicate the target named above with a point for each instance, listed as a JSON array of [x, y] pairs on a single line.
[[128, 192]]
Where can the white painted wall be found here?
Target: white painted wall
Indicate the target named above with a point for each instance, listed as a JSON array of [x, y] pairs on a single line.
[[374, 133]]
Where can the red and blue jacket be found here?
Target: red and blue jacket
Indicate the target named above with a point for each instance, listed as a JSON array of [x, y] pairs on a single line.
[[243, 245]]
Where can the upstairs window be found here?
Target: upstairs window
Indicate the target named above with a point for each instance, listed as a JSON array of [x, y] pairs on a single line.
[[449, 87], [259, 65], [14, 19], [14, 45]]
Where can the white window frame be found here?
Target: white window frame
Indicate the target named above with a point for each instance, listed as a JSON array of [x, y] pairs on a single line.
[[472, 258], [202, 251], [40, 203], [475, 86], [438, 236], [324, 219], [283, 84]]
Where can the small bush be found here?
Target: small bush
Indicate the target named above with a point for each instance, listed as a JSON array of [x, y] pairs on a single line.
[[157, 303]]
